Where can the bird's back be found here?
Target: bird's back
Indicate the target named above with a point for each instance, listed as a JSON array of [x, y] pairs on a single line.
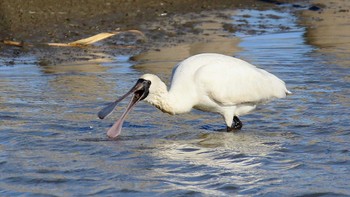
[[227, 80]]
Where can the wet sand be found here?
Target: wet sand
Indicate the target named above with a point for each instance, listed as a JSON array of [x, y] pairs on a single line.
[[59, 21], [164, 24], [329, 28]]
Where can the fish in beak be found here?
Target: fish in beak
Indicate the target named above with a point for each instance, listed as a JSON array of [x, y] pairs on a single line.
[[140, 91]]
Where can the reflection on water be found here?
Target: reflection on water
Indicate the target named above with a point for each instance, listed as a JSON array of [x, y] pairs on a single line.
[[213, 39], [51, 142], [161, 62], [330, 32]]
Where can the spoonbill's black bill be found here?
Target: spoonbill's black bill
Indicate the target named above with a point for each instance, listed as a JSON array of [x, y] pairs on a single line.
[[209, 82], [140, 91]]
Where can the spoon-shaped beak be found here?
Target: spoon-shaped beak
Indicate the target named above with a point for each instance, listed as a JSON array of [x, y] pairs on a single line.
[[140, 91]]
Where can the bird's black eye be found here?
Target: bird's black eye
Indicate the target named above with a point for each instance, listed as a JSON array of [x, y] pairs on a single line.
[[147, 82]]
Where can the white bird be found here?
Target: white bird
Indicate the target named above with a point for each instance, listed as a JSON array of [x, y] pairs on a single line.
[[208, 82]]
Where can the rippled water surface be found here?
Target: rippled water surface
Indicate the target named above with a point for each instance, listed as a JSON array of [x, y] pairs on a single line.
[[51, 142]]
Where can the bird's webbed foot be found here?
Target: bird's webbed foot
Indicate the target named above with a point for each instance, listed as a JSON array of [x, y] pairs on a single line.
[[237, 125]]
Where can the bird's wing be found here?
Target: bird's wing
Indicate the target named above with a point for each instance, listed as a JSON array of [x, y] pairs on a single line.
[[231, 84]]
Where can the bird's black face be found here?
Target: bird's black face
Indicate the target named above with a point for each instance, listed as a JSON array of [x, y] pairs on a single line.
[[140, 90], [143, 85]]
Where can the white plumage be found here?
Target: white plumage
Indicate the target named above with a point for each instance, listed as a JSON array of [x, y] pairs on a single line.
[[213, 83]]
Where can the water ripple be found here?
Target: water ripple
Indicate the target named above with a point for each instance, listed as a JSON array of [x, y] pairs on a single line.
[[52, 144]]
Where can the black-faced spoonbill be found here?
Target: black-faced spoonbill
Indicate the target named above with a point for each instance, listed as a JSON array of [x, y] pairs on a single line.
[[208, 82]]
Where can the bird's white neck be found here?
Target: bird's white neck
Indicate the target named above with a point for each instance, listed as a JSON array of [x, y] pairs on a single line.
[[168, 101]]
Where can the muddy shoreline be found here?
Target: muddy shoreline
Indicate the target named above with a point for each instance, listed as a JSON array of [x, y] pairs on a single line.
[[64, 21], [163, 22]]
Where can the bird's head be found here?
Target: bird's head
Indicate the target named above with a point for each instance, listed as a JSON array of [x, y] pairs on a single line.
[[145, 88], [156, 88]]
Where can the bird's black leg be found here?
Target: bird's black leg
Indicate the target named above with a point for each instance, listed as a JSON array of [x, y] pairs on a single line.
[[237, 125]]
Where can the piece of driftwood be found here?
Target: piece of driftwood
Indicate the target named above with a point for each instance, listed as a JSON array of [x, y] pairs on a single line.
[[80, 43], [13, 43]]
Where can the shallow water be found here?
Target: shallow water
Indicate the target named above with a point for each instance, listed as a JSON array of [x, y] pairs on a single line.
[[52, 143]]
